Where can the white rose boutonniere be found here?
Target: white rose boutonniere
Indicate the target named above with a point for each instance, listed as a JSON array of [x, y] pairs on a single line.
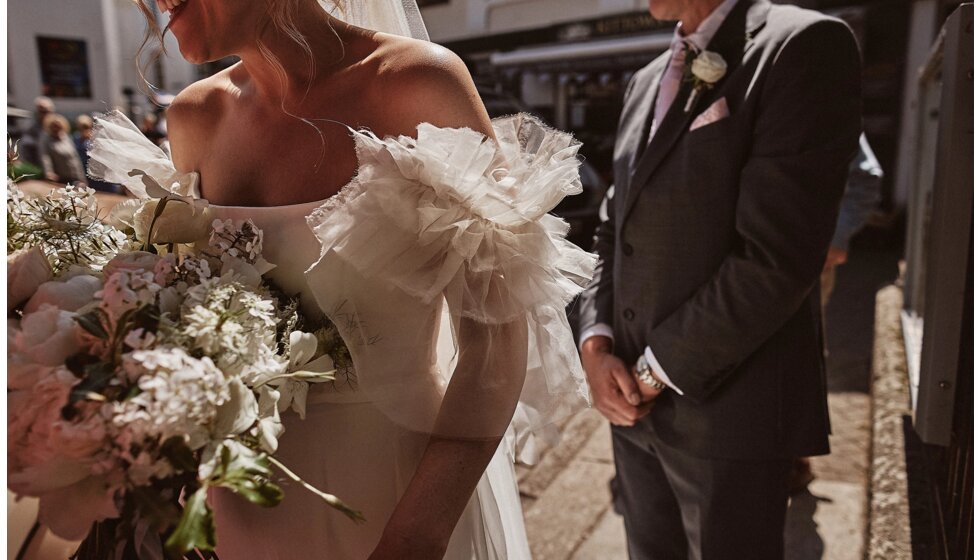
[[705, 69]]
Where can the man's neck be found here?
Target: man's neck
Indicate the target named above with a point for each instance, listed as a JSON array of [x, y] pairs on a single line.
[[696, 12]]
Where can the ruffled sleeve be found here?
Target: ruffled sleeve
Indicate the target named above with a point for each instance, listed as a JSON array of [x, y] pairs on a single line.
[[119, 148], [452, 214]]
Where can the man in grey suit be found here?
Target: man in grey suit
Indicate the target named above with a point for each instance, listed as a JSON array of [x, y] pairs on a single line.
[[732, 155]]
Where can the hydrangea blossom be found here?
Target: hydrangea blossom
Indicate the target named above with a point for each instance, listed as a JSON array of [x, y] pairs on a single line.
[[179, 396]]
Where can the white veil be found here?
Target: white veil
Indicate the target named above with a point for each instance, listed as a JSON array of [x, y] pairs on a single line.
[[398, 17]]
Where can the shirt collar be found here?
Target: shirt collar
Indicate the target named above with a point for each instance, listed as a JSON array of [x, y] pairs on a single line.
[[706, 30]]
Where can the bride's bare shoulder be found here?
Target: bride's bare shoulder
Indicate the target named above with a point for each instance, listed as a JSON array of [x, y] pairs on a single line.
[[425, 82], [194, 112]]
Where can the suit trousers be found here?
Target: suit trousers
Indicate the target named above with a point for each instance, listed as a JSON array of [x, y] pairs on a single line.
[[680, 507]]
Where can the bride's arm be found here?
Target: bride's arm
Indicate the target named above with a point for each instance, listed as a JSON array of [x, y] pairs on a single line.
[[476, 410], [481, 397]]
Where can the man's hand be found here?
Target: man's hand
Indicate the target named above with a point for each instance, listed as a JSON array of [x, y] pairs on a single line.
[[835, 257], [614, 388]]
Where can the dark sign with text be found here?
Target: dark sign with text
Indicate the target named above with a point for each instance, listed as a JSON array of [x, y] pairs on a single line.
[[64, 67]]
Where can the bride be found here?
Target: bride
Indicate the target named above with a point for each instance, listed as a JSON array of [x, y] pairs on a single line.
[[425, 240]]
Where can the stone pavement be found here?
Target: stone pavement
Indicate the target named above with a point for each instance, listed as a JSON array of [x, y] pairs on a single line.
[[566, 497]]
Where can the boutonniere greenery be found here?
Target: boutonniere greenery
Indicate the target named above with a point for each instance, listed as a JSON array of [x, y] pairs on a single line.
[[704, 69]]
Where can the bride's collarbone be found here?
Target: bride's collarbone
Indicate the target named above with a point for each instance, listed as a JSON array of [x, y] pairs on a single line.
[[270, 171]]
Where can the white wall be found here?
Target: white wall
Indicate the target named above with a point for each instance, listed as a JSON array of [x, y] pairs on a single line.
[[27, 19], [112, 30]]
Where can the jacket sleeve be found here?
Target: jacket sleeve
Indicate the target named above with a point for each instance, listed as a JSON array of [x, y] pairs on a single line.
[[806, 132]]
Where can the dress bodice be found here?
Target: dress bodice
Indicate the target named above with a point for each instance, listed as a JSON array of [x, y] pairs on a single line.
[[287, 242]]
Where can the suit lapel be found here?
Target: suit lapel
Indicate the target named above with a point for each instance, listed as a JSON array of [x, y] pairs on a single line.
[[645, 106], [745, 19]]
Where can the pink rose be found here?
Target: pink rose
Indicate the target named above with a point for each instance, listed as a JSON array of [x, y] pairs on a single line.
[[26, 270], [70, 295], [47, 337], [31, 418]]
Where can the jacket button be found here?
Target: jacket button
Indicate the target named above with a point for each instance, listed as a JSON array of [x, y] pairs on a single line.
[[627, 249], [628, 314]]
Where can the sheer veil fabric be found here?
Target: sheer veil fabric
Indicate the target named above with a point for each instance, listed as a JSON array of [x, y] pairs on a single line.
[[397, 17]]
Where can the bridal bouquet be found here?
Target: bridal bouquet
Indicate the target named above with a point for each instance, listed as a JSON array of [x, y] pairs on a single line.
[[148, 362]]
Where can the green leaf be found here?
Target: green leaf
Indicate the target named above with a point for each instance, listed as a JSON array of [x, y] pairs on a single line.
[[196, 527], [91, 323], [247, 473], [96, 379], [260, 492]]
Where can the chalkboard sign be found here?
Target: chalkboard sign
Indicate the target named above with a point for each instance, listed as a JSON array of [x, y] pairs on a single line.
[[64, 67]]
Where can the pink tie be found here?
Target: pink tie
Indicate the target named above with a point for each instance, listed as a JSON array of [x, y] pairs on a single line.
[[670, 84]]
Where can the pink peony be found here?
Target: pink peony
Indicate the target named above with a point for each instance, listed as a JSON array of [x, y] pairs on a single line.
[[47, 336], [31, 418], [26, 270], [70, 295]]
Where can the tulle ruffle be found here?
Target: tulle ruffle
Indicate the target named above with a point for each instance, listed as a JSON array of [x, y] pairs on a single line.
[[454, 214]]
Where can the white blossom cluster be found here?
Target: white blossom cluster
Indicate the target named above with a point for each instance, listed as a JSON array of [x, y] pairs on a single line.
[[64, 225], [178, 396]]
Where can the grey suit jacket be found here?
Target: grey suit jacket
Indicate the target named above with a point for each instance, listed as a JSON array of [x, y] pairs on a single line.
[[715, 238]]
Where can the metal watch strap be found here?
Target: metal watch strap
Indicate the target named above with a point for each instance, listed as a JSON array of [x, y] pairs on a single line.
[[644, 372]]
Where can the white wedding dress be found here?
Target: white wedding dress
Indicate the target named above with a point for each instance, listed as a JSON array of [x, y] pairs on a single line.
[[433, 234]]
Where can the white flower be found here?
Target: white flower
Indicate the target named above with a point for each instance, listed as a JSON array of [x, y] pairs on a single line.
[[127, 290], [180, 396], [26, 270], [302, 348], [143, 468], [180, 221], [709, 67], [269, 428], [70, 295], [132, 261], [139, 339], [121, 215], [238, 413]]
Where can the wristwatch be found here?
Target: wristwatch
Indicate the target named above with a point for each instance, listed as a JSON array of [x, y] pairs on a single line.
[[645, 374]]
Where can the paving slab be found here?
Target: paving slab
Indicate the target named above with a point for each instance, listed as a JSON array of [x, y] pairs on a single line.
[[607, 540], [827, 522]]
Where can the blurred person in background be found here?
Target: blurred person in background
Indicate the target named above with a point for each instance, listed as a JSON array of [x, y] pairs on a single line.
[[30, 143], [150, 128], [861, 197], [59, 158]]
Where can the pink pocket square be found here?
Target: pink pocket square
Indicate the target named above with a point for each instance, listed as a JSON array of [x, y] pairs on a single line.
[[717, 111]]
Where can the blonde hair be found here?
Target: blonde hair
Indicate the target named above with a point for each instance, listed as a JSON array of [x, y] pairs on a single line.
[[83, 122], [52, 119]]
